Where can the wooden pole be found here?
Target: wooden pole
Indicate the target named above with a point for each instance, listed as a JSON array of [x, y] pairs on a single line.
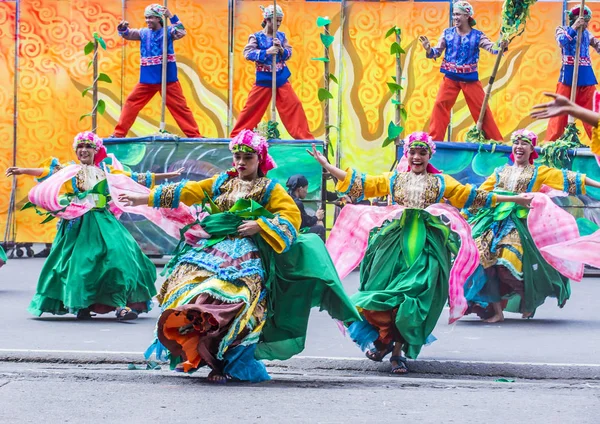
[[399, 93], [95, 89], [163, 90], [231, 35], [488, 92], [274, 67], [326, 123], [576, 64]]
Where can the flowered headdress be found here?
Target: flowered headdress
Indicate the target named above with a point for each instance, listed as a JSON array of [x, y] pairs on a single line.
[[250, 142], [268, 12], [465, 8], [528, 136], [88, 137], [419, 140], [574, 14], [155, 9]]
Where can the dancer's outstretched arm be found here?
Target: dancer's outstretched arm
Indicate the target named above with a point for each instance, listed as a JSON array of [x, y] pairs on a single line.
[[338, 173], [563, 106], [15, 170]]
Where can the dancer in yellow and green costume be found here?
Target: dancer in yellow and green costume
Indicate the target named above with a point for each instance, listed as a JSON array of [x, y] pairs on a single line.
[[94, 265], [244, 291], [417, 252], [514, 276]]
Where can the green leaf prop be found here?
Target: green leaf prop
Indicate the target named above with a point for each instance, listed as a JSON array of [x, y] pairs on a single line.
[[89, 47], [101, 107], [103, 77], [394, 130], [556, 154], [100, 40], [394, 87], [390, 31], [324, 94], [403, 114], [396, 49], [514, 16], [476, 136], [333, 78], [322, 21], [320, 59], [327, 40]]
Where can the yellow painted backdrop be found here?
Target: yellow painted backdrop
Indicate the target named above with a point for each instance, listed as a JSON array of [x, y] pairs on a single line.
[[53, 70]]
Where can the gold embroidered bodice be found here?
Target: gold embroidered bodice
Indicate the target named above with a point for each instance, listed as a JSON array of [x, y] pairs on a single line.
[[515, 179], [416, 190], [235, 189], [88, 176]]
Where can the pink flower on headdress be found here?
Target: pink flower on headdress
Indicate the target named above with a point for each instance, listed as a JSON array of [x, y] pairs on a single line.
[[257, 143], [422, 137], [88, 137]]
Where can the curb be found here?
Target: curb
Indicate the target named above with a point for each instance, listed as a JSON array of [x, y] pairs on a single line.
[[523, 370]]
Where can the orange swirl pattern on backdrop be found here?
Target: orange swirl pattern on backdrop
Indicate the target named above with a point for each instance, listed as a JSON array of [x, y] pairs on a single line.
[[54, 70]]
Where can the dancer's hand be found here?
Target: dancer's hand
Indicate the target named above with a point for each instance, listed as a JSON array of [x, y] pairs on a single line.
[[176, 173], [277, 43], [579, 23], [273, 50], [503, 46], [318, 156], [248, 228], [425, 43], [559, 106], [168, 13], [14, 170], [133, 199], [123, 26], [320, 214], [523, 200]]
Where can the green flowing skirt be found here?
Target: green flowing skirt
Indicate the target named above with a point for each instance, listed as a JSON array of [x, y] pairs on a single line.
[[406, 267], [94, 262], [296, 281], [540, 280]]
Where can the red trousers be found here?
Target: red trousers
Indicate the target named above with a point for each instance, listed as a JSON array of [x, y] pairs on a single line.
[[288, 105], [143, 93], [584, 98], [446, 97]]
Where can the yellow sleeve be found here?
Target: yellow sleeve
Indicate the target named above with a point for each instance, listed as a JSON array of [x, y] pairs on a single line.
[[147, 179], [490, 183], [560, 179], [466, 196], [282, 230], [360, 186], [50, 166], [595, 146], [169, 195]]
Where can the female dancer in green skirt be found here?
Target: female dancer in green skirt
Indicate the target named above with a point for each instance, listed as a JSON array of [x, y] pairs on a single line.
[[407, 275], [512, 267], [95, 265], [242, 291]]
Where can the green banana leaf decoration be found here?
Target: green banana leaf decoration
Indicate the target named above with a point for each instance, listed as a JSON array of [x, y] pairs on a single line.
[[514, 15], [556, 154]]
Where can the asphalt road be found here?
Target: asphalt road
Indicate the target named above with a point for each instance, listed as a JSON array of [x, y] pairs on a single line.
[[556, 336], [34, 393]]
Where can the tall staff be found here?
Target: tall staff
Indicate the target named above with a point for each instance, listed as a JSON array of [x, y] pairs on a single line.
[[163, 88], [274, 69], [577, 57]]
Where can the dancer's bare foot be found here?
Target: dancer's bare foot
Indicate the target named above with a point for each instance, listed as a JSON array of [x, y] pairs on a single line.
[[526, 315], [495, 318], [215, 377]]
